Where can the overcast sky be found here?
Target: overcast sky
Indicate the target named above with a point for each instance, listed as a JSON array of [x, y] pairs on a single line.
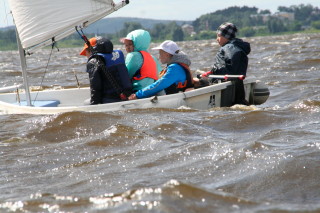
[[187, 10]]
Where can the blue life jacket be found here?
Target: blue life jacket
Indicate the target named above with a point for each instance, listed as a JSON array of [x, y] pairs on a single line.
[[114, 58], [115, 66]]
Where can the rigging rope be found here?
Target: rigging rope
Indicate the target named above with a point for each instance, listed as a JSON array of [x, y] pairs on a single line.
[[45, 71]]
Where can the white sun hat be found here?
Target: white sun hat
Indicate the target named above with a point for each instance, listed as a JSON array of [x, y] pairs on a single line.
[[169, 47]]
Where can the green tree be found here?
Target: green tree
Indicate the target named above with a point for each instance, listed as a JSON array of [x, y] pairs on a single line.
[[264, 12], [315, 15], [302, 13], [8, 35], [247, 32], [276, 25], [294, 26], [171, 31], [240, 16], [208, 22], [158, 32], [175, 32], [316, 25], [128, 27], [8, 40], [205, 35], [262, 30], [285, 9]]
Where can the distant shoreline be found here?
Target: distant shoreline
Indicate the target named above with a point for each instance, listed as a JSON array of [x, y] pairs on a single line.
[[70, 43]]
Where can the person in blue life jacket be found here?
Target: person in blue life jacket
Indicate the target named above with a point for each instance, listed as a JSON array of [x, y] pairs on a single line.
[[174, 78], [231, 59], [108, 74], [143, 68]]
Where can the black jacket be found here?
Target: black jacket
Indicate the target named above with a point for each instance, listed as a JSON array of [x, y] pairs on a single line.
[[102, 89], [232, 58]]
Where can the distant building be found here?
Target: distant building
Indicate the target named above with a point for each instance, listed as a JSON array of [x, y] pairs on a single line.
[[188, 29], [316, 11], [285, 16], [265, 17]]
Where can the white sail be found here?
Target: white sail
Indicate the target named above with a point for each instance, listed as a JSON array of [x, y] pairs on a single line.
[[38, 21]]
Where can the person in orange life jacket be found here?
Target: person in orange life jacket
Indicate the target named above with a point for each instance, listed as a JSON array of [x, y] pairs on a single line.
[[232, 58], [176, 77], [143, 68], [108, 74]]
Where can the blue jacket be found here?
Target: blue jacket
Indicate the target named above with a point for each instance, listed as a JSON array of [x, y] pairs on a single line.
[[175, 74]]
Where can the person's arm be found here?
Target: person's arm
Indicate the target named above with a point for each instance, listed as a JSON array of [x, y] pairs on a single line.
[[219, 67], [174, 74], [95, 82]]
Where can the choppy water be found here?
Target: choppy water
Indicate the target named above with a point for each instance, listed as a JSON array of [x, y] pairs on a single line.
[[241, 159]]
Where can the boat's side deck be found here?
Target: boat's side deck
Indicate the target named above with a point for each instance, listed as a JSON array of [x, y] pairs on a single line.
[[64, 100]]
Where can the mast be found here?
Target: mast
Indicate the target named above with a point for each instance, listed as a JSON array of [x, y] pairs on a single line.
[[24, 69]]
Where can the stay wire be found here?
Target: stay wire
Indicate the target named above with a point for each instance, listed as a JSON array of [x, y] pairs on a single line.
[[46, 69]]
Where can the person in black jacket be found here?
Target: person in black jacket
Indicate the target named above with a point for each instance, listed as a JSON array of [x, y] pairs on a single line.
[[232, 57], [108, 74]]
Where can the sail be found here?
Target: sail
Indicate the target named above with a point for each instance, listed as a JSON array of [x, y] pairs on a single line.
[[39, 21]]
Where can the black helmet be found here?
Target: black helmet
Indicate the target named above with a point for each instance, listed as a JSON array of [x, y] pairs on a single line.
[[103, 45]]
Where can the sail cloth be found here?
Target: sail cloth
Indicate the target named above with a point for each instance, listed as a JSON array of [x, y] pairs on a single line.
[[39, 21]]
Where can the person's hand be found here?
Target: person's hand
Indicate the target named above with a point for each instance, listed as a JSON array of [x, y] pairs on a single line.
[[205, 75], [202, 74], [199, 72], [132, 97]]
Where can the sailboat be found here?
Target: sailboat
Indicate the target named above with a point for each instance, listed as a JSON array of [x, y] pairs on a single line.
[[41, 23]]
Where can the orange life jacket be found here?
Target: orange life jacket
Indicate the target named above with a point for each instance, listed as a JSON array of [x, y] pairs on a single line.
[[148, 68]]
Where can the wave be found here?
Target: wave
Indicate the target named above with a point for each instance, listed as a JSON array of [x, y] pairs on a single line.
[[173, 196]]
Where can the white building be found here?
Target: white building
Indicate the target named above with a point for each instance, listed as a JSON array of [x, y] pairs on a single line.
[[188, 29]]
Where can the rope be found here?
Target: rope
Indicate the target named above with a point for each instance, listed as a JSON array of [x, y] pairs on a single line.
[[78, 84], [45, 71]]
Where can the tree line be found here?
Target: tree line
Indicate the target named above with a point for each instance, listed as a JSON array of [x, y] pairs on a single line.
[[249, 20], [252, 22]]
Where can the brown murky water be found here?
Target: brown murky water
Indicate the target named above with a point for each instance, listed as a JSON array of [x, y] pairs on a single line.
[[241, 159]]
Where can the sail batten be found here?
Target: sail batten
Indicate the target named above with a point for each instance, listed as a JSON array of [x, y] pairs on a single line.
[[38, 21]]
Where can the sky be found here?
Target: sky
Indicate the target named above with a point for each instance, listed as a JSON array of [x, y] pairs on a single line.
[[186, 10]]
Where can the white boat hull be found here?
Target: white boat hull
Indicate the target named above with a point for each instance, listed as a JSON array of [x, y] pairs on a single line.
[[68, 100]]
